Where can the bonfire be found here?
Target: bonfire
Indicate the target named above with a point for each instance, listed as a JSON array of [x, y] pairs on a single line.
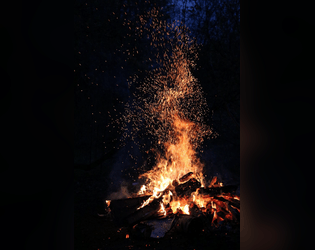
[[175, 190]]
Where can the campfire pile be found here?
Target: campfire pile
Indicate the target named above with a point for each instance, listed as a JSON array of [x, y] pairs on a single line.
[[185, 206]]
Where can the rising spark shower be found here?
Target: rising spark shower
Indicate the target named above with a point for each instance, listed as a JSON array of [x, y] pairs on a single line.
[[168, 104]]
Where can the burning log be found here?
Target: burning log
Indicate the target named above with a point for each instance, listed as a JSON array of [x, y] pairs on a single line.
[[175, 183], [235, 203], [235, 213], [144, 213], [213, 181], [194, 210], [121, 209], [214, 204], [188, 187], [168, 212], [186, 177], [222, 210]]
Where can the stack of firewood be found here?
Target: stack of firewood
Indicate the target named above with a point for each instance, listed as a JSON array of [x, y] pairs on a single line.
[[126, 212]]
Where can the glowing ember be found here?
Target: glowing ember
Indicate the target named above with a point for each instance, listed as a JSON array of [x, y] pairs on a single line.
[[236, 198]]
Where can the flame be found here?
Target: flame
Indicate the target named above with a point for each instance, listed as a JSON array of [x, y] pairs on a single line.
[[148, 201], [214, 211], [237, 198], [186, 209], [142, 190], [236, 208], [180, 159], [180, 205], [162, 210], [107, 202], [167, 198], [213, 181], [202, 201]]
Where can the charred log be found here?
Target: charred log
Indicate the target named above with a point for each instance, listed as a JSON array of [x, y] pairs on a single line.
[[233, 202], [194, 210], [121, 209], [175, 183], [213, 181], [221, 199], [222, 209], [187, 188], [221, 214], [235, 213], [186, 177], [144, 213]]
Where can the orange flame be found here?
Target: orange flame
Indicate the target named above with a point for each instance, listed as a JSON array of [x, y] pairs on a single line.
[[201, 201], [186, 209], [180, 205], [162, 210], [180, 159], [142, 190]]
